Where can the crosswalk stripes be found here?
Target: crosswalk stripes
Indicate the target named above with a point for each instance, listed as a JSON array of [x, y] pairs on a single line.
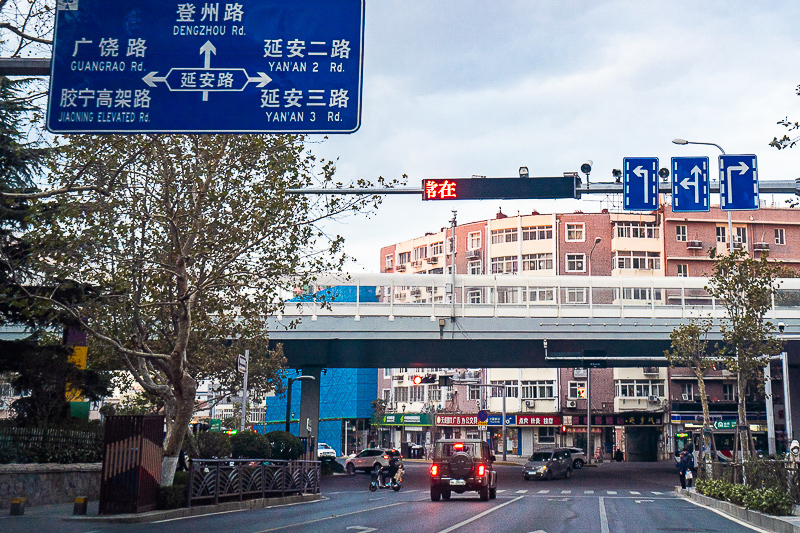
[[500, 491], [658, 493], [611, 492], [636, 493], [588, 492], [544, 491], [523, 491], [566, 492]]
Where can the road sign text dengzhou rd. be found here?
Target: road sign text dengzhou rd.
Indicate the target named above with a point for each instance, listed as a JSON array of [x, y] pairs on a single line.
[[499, 188], [250, 66]]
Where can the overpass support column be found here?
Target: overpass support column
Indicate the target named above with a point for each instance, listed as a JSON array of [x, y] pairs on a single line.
[[309, 405]]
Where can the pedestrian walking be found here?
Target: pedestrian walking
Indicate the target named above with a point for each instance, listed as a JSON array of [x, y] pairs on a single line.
[[683, 467]]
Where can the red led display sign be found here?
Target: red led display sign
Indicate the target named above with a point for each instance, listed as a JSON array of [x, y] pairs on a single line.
[[499, 188]]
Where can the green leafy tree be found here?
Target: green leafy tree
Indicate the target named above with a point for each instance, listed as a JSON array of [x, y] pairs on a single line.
[[690, 349], [249, 445], [791, 126], [745, 287], [178, 242], [212, 445], [284, 445]]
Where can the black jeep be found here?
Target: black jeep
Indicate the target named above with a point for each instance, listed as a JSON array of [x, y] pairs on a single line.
[[462, 465]]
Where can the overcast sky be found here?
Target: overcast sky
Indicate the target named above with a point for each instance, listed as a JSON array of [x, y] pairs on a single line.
[[463, 87]]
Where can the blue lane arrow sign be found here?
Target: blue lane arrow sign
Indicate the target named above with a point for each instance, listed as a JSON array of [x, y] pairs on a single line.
[[738, 182], [690, 190], [640, 183]]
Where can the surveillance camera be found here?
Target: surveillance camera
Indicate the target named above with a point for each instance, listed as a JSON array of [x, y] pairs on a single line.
[[586, 167], [781, 326], [663, 173]]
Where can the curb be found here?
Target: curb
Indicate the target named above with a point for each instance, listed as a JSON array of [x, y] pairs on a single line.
[[755, 518], [153, 516]]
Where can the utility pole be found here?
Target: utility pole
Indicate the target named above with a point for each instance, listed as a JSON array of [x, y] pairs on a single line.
[[244, 389]]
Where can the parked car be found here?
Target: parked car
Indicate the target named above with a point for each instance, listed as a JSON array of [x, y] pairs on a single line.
[[323, 450], [370, 459], [462, 465], [548, 464], [578, 457]]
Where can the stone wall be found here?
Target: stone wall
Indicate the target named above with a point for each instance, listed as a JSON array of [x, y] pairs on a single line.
[[43, 484]]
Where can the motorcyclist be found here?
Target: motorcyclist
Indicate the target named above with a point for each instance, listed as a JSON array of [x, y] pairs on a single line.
[[395, 461]]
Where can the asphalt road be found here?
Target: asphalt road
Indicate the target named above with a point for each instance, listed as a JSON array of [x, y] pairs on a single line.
[[616, 497]]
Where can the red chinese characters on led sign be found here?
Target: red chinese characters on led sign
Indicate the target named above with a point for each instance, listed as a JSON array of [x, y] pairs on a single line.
[[440, 190]]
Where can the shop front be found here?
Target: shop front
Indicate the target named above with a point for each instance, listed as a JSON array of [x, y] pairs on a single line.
[[411, 432], [640, 436]]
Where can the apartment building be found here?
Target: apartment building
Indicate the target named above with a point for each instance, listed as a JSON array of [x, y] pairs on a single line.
[[644, 411]]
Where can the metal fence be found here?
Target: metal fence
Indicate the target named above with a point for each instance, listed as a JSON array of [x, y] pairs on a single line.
[[215, 480], [49, 445], [769, 474]]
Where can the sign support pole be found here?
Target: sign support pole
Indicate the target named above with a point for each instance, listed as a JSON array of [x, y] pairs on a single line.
[[770, 409], [244, 389], [589, 414]]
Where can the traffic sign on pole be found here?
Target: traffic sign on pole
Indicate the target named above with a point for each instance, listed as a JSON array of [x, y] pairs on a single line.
[[738, 182], [725, 424], [250, 66], [690, 184], [640, 183], [241, 363]]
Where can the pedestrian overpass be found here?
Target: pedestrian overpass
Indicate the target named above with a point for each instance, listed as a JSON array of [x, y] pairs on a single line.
[[476, 321]]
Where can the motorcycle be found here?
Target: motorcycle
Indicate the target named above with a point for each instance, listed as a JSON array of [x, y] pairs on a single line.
[[395, 483]]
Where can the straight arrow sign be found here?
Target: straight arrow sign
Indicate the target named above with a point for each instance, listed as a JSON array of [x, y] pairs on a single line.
[[690, 184]]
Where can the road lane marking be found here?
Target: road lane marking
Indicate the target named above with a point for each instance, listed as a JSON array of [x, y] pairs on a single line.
[[611, 492], [523, 491], [501, 491], [544, 491], [636, 493], [657, 493], [481, 515], [603, 517], [729, 517], [588, 492], [287, 526], [566, 492]]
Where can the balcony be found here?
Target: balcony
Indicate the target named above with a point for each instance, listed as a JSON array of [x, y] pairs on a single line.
[[648, 370], [473, 254], [401, 268], [761, 247], [694, 245], [416, 264], [433, 260]]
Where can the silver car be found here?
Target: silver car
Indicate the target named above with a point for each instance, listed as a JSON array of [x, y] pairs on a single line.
[[578, 457], [548, 464]]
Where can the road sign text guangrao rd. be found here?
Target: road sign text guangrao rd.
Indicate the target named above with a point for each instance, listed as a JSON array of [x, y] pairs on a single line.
[[225, 66], [499, 188]]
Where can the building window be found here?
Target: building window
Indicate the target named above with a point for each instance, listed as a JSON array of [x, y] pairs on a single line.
[[403, 257], [639, 260], [387, 372], [474, 296], [474, 240], [401, 394], [576, 295], [386, 394], [417, 394], [451, 243], [576, 262], [547, 435], [576, 390], [504, 265], [500, 236], [780, 236], [537, 233], [637, 230], [639, 388], [474, 267], [507, 295], [389, 261], [687, 391], [680, 233], [540, 294], [420, 252], [741, 234], [537, 262], [683, 271], [638, 293], [538, 389], [727, 392], [473, 392], [573, 232], [512, 388], [437, 248], [721, 234], [439, 270]]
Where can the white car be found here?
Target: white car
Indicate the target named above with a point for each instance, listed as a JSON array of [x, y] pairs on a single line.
[[323, 450]]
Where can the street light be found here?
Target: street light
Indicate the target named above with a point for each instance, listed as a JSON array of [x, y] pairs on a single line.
[[289, 397], [596, 242], [588, 369], [730, 219]]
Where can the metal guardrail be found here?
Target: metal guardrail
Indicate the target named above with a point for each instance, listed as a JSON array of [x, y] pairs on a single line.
[[529, 296], [215, 480]]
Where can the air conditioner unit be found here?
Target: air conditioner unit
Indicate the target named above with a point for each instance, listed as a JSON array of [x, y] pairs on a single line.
[[761, 246], [653, 399], [473, 254], [685, 397], [416, 263], [433, 260], [401, 268], [650, 370], [572, 404], [694, 245], [529, 403]]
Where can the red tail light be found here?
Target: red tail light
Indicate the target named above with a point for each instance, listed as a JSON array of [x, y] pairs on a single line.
[[386, 457], [481, 470], [458, 445], [434, 470]]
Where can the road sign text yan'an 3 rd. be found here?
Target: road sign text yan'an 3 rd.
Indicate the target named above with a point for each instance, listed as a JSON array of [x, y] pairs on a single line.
[[191, 66]]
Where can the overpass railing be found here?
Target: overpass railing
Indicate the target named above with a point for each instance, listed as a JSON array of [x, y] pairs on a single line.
[[506, 295]]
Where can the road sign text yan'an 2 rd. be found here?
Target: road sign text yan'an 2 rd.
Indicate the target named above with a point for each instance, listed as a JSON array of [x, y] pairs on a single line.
[[191, 66]]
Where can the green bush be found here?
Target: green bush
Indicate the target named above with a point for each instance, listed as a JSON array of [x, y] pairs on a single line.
[[768, 500], [736, 494], [181, 478], [171, 497], [213, 445], [284, 445], [250, 445]]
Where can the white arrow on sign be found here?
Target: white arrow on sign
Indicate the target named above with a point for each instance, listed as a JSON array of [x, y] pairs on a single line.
[[742, 168], [151, 78], [642, 173], [208, 49], [694, 183], [262, 79]]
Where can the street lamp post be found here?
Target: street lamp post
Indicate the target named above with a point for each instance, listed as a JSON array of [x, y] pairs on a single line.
[[289, 397], [589, 370], [730, 218]]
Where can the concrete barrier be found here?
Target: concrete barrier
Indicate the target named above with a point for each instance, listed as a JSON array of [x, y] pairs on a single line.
[[42, 484]]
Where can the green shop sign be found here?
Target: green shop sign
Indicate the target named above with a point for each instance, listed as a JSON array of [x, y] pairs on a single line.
[[409, 419]]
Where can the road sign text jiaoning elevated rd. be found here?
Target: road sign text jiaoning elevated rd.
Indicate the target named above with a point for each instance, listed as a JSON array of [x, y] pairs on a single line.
[[244, 66]]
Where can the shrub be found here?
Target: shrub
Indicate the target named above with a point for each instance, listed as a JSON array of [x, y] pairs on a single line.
[[181, 478], [249, 445], [171, 497], [771, 501], [213, 445], [736, 494], [284, 445]]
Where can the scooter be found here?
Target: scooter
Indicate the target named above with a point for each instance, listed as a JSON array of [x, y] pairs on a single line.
[[395, 483]]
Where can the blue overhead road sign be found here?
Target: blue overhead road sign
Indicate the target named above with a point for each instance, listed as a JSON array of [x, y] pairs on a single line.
[[690, 187], [640, 183], [738, 182], [190, 66]]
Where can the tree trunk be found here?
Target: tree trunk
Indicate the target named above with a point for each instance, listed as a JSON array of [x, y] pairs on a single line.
[[742, 422], [184, 409], [701, 385]]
